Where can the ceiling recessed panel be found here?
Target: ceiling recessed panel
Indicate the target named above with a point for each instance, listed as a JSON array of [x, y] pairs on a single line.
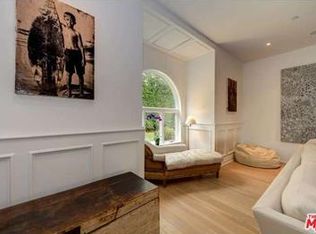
[[153, 26], [171, 39], [244, 27], [190, 50]]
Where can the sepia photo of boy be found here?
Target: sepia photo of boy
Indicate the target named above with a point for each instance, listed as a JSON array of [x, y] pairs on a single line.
[[74, 53]]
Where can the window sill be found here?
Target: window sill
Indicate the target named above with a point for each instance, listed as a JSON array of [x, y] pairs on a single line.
[[167, 143], [171, 143]]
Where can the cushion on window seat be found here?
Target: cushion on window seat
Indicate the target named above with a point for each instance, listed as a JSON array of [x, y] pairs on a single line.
[[193, 157]]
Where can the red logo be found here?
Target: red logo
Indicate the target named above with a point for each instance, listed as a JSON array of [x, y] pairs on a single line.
[[310, 222]]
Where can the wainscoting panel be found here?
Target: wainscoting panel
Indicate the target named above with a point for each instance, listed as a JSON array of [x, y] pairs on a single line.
[[120, 157], [42, 165], [220, 141], [5, 179], [230, 139], [59, 169], [201, 136], [227, 136]]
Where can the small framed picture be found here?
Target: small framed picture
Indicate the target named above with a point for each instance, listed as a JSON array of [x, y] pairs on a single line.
[[232, 95]]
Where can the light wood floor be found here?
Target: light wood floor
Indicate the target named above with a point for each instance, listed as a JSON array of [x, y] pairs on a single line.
[[210, 205]]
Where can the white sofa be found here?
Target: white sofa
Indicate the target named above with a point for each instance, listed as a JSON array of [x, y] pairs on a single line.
[[268, 210]]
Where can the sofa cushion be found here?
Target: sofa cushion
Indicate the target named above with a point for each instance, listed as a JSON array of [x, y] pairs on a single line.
[[193, 157], [299, 196], [309, 152]]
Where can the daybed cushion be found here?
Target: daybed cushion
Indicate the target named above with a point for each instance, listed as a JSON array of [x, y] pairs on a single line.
[[257, 156], [193, 157], [299, 196]]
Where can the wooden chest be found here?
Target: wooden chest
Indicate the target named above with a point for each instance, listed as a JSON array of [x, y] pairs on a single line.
[[124, 204]]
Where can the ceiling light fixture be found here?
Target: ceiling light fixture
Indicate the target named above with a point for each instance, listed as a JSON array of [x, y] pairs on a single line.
[[268, 44]]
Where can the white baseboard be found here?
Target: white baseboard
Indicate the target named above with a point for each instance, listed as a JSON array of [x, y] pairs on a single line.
[[228, 158]]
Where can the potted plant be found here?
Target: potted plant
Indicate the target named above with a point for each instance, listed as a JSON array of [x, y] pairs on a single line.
[[157, 139], [155, 118]]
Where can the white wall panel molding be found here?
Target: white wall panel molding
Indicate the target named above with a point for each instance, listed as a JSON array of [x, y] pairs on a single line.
[[202, 127], [46, 165], [6, 179], [228, 158], [56, 169], [120, 142], [121, 156], [70, 134], [228, 124], [202, 136], [220, 141], [227, 136], [42, 152]]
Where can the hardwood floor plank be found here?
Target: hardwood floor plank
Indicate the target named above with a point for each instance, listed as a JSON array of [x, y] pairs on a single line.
[[210, 205]]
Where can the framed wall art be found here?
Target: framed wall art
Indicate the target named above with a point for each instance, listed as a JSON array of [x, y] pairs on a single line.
[[231, 95], [298, 104], [54, 50]]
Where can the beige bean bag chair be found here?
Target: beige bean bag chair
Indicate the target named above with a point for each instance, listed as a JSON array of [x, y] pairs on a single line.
[[257, 156]]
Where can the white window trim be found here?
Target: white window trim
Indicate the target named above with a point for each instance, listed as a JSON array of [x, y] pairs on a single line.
[[162, 111]]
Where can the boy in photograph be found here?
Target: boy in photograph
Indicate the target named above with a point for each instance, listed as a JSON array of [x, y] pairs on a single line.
[[74, 53]]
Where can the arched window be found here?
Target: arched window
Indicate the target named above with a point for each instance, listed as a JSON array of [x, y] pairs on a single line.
[[161, 108]]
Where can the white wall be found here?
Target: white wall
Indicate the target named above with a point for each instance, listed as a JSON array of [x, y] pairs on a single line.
[[79, 140], [201, 100], [227, 124], [227, 66], [118, 63], [261, 98], [200, 88]]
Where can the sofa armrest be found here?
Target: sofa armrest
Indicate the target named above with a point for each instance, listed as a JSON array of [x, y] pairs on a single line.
[[268, 209], [271, 198], [271, 221]]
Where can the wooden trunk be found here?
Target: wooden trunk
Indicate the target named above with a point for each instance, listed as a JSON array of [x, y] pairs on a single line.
[[121, 204]]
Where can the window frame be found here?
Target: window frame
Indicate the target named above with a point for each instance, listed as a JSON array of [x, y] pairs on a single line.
[[162, 110]]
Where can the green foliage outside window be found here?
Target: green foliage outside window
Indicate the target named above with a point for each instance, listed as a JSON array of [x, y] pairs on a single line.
[[156, 92]]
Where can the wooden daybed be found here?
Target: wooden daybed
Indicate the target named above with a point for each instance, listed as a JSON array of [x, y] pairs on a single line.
[[157, 170]]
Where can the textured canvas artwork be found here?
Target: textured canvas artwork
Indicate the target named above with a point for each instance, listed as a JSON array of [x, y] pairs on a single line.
[[298, 104], [54, 50]]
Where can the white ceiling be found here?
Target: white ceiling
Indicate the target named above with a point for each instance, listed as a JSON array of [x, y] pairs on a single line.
[[243, 27], [169, 38]]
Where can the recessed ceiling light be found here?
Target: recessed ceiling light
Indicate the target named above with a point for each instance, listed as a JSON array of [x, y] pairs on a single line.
[[313, 33], [268, 44], [296, 17]]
